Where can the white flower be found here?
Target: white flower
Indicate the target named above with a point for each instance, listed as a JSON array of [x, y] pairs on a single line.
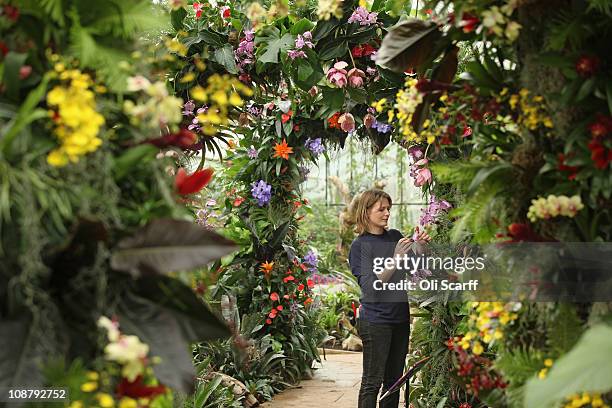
[[137, 83], [512, 30], [112, 328]]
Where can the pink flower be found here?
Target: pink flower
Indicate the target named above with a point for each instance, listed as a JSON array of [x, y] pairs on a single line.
[[423, 177], [293, 54], [369, 120], [355, 78], [347, 122], [337, 74], [25, 71], [198, 9]]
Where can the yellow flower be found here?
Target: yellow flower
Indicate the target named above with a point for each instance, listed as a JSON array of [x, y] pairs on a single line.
[[477, 348], [57, 159], [76, 404], [127, 402], [542, 374], [198, 93], [105, 400], [92, 376], [89, 386], [548, 362], [188, 77]]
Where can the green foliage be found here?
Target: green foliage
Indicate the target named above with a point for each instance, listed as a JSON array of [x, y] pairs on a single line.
[[586, 368]]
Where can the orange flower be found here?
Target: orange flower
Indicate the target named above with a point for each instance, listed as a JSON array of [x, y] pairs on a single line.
[[286, 116], [282, 150], [333, 121], [266, 267]]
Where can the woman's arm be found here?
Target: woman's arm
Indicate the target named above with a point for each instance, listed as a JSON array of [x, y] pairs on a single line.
[[402, 247]]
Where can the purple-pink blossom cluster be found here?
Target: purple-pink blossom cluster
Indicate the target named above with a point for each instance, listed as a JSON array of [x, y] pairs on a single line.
[[302, 40], [188, 110], [245, 53], [363, 17], [262, 192], [315, 146], [311, 260], [434, 210]]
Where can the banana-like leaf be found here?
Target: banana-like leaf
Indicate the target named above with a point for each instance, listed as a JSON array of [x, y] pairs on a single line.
[[167, 245], [20, 354], [586, 368], [167, 315], [408, 45]]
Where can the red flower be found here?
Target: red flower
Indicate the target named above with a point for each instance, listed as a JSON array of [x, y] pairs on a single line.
[[599, 154], [193, 183], [288, 278], [268, 321], [598, 129], [3, 48], [467, 131], [274, 296], [198, 9], [286, 116], [137, 389], [238, 201], [25, 71], [519, 232], [226, 12], [285, 296], [465, 405], [183, 139], [308, 301], [300, 287], [357, 51], [279, 308], [333, 121], [11, 12], [563, 167], [273, 314], [587, 66], [469, 22], [310, 283]]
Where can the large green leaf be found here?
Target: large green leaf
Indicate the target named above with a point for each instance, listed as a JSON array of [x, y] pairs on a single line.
[[177, 17], [133, 157], [275, 46], [586, 368], [20, 354], [167, 245], [225, 57], [160, 304], [12, 64], [26, 114], [407, 45]]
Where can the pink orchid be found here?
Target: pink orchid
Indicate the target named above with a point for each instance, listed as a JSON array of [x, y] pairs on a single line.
[[347, 122], [337, 74], [355, 77], [369, 120], [423, 177]]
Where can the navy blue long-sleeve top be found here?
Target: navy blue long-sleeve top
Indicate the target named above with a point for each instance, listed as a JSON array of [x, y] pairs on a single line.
[[391, 310]]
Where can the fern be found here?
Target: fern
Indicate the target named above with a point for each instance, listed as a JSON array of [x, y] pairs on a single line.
[[55, 10], [601, 6], [519, 364], [564, 330], [475, 214], [121, 19], [93, 54], [566, 30]]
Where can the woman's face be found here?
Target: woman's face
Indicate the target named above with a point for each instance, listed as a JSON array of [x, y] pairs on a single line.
[[378, 214]]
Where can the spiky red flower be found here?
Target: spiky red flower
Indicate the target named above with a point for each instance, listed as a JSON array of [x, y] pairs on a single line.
[[189, 184], [137, 389], [587, 65]]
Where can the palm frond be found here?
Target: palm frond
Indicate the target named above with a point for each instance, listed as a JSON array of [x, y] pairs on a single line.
[[93, 54], [566, 29], [601, 6], [55, 10], [122, 19]]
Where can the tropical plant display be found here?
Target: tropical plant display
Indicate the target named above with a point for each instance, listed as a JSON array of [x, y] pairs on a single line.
[[111, 113]]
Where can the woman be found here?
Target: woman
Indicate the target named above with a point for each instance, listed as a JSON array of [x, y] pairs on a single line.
[[384, 319]]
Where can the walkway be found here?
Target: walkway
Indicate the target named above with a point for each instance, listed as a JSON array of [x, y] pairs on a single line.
[[335, 384]]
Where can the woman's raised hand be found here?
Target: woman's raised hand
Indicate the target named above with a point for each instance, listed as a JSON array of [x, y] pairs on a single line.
[[402, 247], [420, 235]]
